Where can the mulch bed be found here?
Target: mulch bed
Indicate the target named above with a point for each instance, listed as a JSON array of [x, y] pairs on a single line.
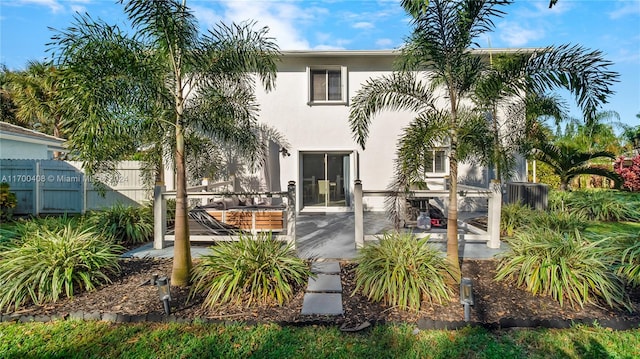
[[497, 304]]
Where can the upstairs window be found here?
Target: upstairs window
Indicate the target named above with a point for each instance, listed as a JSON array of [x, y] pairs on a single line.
[[438, 162], [327, 85]]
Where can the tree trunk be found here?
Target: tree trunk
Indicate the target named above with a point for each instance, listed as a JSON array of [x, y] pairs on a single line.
[[452, 215], [182, 263]]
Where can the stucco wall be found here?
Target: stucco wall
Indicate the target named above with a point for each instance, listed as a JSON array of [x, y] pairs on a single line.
[[16, 150]]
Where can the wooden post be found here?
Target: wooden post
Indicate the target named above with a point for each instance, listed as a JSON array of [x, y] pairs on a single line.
[[291, 212], [495, 206], [159, 217], [358, 213]]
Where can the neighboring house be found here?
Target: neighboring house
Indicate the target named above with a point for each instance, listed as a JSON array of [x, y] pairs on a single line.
[[310, 107], [19, 143]]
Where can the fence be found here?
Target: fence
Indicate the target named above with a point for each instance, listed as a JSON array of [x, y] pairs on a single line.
[[491, 236], [55, 187]]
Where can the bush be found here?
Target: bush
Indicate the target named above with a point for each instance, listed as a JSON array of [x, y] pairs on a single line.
[[45, 264], [258, 268], [126, 224], [605, 206], [627, 247], [8, 202], [513, 216], [402, 271], [565, 222], [564, 266], [26, 227], [629, 173]]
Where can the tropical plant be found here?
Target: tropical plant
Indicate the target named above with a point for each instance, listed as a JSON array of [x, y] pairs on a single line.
[[564, 222], [402, 270], [26, 227], [567, 162], [125, 224], [563, 266], [444, 31], [256, 268], [629, 170], [629, 266], [46, 264], [156, 85], [604, 205], [8, 202], [514, 216]]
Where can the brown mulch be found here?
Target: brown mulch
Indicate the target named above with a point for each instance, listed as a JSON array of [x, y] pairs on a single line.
[[494, 301]]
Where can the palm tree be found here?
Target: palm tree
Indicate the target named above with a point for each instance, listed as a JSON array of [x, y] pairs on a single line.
[[567, 162], [35, 93], [444, 31], [166, 79]]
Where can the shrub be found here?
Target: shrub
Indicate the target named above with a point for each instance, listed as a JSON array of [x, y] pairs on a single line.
[[514, 215], [627, 247], [565, 222], [26, 227], [604, 206], [629, 173], [256, 268], [126, 224], [45, 264], [402, 271], [8, 202], [564, 266]]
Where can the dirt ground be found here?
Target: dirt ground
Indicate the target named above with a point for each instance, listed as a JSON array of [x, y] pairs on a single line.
[[494, 301]]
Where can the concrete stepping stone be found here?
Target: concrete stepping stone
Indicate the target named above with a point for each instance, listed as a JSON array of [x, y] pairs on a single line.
[[322, 304], [325, 267], [326, 283]]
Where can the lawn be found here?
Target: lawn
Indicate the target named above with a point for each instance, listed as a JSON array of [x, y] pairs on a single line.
[[76, 339]]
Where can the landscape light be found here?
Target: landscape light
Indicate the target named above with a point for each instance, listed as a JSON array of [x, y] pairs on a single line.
[[164, 292], [466, 297]]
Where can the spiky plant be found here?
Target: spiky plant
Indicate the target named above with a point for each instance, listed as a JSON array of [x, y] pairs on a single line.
[[565, 222], [126, 224], [402, 271], [563, 266], [46, 264], [256, 268], [514, 216], [604, 206]]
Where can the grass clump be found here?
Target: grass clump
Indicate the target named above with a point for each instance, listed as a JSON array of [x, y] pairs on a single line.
[[564, 266], [565, 222], [402, 271], [605, 206], [513, 216], [126, 224], [45, 264], [627, 247], [256, 268]]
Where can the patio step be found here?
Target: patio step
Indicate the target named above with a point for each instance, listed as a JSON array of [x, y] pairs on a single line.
[[324, 293]]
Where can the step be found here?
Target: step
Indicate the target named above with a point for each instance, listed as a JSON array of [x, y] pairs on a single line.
[[322, 304], [325, 283], [325, 267]]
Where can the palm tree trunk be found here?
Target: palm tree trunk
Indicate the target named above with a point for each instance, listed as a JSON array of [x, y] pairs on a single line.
[[182, 249], [452, 215]]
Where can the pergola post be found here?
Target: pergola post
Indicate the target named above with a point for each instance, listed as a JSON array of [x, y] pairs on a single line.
[[493, 216], [159, 217], [291, 213], [358, 214]]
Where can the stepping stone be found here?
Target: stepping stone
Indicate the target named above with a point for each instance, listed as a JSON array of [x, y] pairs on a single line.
[[325, 283], [325, 267], [322, 304]]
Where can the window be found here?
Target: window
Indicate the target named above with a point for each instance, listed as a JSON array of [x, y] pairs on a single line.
[[438, 162], [327, 85]]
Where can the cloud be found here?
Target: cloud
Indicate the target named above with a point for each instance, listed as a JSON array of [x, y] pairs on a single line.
[[515, 35], [363, 25], [53, 5], [627, 9], [384, 43], [284, 19]]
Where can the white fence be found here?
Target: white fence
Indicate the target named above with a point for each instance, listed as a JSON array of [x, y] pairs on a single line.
[[491, 236], [56, 187]]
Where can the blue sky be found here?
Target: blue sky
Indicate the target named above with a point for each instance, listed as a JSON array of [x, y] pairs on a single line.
[[612, 26]]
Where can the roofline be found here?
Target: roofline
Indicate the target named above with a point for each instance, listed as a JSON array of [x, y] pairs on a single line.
[[20, 131], [338, 53]]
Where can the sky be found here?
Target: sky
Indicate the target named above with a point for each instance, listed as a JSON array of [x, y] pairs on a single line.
[[611, 26]]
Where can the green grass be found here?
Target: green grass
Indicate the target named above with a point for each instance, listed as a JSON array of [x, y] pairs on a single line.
[[73, 339]]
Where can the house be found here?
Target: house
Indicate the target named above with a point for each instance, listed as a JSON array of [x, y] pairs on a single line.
[[19, 143], [310, 107]]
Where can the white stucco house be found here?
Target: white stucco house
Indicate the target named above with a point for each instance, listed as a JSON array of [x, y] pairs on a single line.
[[19, 143], [310, 107]]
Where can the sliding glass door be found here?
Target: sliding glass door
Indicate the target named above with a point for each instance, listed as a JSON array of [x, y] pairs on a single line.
[[325, 179]]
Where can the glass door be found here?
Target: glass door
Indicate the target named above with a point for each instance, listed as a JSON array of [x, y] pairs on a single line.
[[325, 179]]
